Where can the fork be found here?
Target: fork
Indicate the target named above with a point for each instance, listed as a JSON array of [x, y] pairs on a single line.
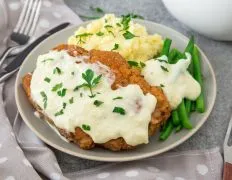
[[227, 175], [24, 28]]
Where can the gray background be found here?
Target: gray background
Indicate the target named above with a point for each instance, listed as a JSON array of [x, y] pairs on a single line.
[[219, 53]]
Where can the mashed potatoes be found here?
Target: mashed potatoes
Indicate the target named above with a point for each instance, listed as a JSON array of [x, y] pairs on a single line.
[[122, 35]]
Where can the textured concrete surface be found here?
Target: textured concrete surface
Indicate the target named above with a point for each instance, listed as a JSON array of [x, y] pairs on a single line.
[[219, 53]]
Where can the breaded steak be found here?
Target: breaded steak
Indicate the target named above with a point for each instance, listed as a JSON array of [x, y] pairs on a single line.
[[124, 75]]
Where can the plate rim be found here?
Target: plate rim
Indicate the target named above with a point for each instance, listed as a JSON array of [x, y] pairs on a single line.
[[116, 159]]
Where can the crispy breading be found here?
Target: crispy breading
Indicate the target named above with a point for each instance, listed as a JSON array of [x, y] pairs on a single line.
[[124, 75]]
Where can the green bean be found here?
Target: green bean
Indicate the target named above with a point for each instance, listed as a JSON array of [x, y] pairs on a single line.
[[166, 132], [184, 116], [200, 103], [175, 118], [178, 56], [193, 107], [188, 105], [190, 46], [172, 55], [178, 128], [166, 47]]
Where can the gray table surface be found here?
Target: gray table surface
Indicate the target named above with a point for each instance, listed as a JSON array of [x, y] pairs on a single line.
[[219, 53]]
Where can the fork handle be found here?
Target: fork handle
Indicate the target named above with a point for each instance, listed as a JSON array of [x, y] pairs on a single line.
[[5, 54], [227, 174]]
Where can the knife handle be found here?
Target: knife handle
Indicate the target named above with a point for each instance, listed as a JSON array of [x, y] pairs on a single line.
[[227, 174]]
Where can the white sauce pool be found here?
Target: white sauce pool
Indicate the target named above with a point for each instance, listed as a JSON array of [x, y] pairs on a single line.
[[174, 79], [102, 122]]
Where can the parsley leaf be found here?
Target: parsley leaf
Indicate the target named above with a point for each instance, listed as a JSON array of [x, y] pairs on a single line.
[[96, 9], [49, 59], [119, 110], [108, 26], [71, 100], [116, 46], [86, 127], [45, 99], [134, 16], [91, 82], [118, 24], [119, 97], [82, 37], [142, 65], [133, 63], [98, 103], [164, 68], [161, 85], [47, 79], [62, 92], [125, 22], [99, 33], [72, 73], [59, 112], [57, 86], [128, 35], [64, 105], [160, 60], [57, 70]]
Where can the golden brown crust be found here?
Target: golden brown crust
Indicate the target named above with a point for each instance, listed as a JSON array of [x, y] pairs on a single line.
[[124, 75]]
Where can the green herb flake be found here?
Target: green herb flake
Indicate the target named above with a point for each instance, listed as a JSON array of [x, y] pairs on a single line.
[[59, 112], [49, 59], [81, 94], [111, 33], [45, 99], [97, 9], [99, 33], [161, 60], [125, 22], [128, 35], [48, 80], [118, 24], [108, 26], [116, 46], [64, 105], [57, 86], [73, 73], [86, 127], [57, 71], [91, 82], [134, 16], [142, 65], [62, 92], [119, 110], [119, 97], [133, 63], [161, 85], [98, 103], [164, 68], [71, 100], [82, 37]]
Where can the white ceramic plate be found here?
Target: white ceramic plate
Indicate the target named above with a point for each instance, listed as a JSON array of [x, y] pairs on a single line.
[[155, 147]]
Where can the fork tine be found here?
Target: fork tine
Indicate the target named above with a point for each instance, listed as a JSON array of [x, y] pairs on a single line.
[[34, 17], [26, 17], [22, 14], [228, 133], [34, 24]]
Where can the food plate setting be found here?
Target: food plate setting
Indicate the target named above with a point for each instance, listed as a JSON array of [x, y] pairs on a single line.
[[115, 89]]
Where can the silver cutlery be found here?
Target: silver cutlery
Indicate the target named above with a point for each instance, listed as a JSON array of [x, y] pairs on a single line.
[[227, 175], [24, 28]]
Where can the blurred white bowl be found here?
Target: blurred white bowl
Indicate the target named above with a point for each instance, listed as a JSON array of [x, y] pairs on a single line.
[[212, 18]]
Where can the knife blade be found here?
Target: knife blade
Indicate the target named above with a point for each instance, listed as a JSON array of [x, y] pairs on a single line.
[[16, 63]]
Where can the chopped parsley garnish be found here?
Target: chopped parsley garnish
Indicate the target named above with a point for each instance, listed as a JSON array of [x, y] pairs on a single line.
[[57, 71], [164, 68], [57, 86], [64, 105], [71, 100], [59, 112], [118, 24], [125, 22], [47, 79], [45, 99], [119, 110], [82, 37], [98, 103], [72, 73], [133, 63], [62, 92], [161, 85], [81, 94], [111, 33], [96, 9], [108, 26], [116, 46], [161, 60], [106, 20], [86, 127], [99, 33], [119, 97], [128, 35], [49, 59], [142, 65], [134, 16], [91, 82]]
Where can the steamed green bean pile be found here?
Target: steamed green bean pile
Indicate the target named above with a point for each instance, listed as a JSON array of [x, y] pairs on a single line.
[[180, 117]]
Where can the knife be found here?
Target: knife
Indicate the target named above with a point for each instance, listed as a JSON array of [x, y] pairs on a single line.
[[227, 174], [11, 68]]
